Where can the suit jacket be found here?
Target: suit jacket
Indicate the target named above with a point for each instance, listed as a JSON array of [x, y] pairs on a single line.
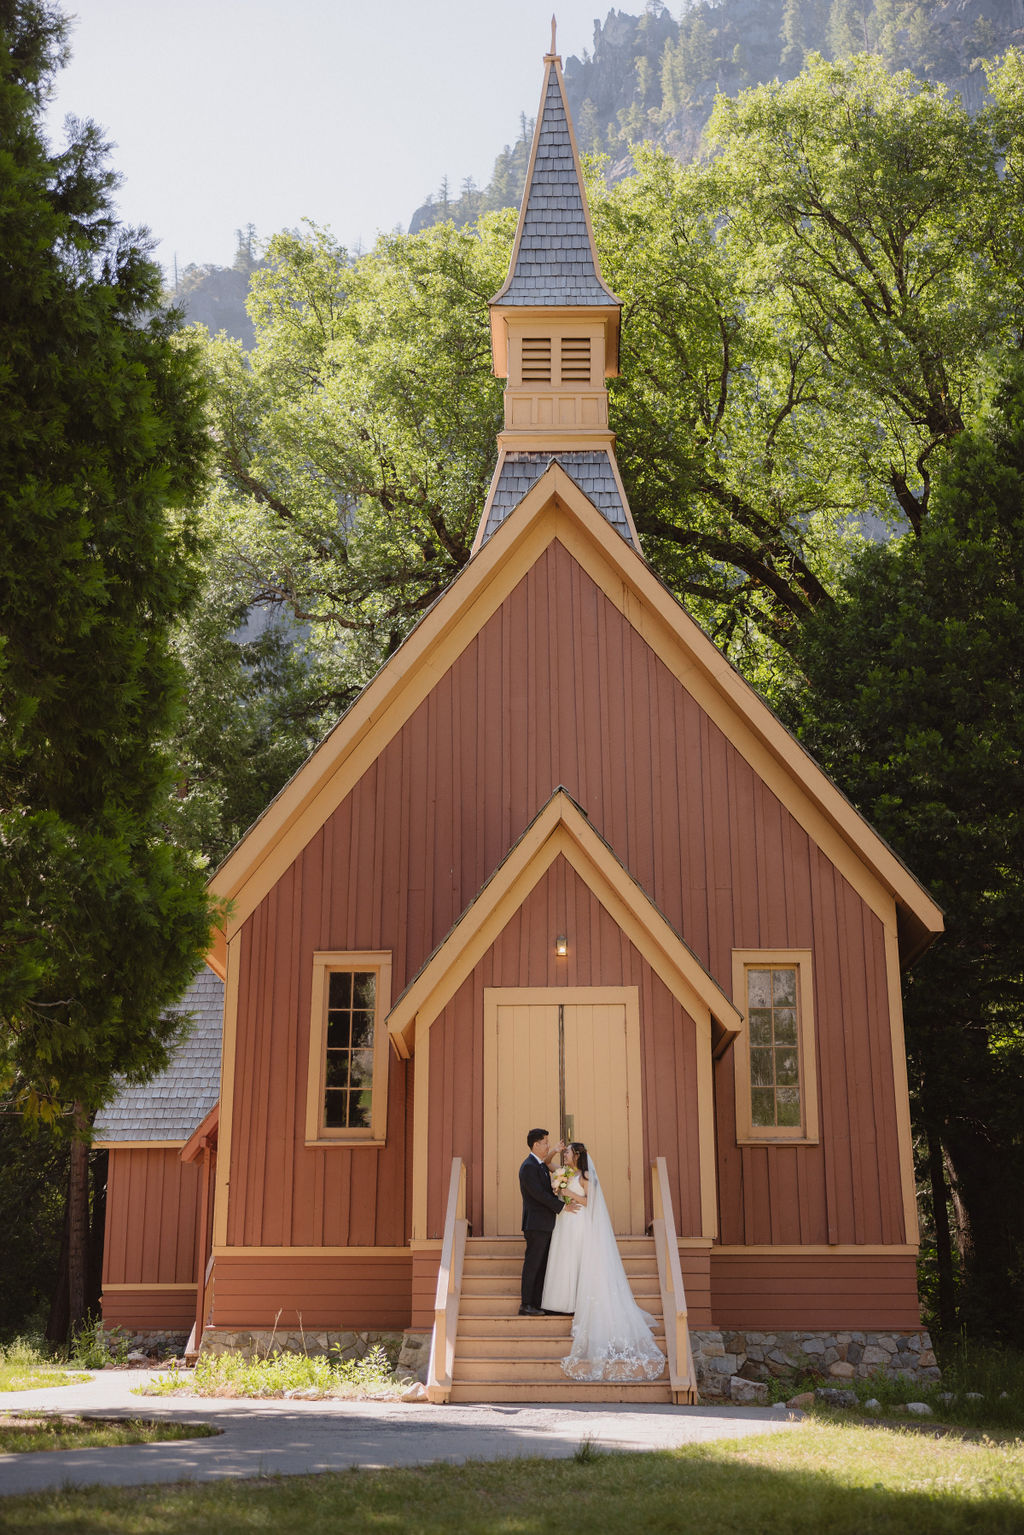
[[541, 1205]]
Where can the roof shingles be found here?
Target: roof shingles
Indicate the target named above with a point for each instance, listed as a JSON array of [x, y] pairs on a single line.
[[592, 472], [555, 260], [171, 1106]]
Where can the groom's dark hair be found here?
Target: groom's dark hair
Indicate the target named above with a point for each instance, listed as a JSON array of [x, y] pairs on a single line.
[[533, 1136]]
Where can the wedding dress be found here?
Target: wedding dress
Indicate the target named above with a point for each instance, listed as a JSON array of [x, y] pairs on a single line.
[[611, 1336], [563, 1270]]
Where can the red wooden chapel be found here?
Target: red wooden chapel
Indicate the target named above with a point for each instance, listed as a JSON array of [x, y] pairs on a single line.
[[558, 864]]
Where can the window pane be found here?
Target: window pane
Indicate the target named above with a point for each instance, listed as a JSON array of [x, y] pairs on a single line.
[[759, 988], [761, 1068], [362, 1030], [784, 988], [762, 1106], [334, 1109], [336, 1071], [340, 992], [787, 1068], [788, 1105], [362, 1068], [785, 1025], [359, 1110], [364, 985], [339, 1028], [760, 1025]]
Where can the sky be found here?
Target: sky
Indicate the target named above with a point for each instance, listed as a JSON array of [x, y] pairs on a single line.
[[225, 113]]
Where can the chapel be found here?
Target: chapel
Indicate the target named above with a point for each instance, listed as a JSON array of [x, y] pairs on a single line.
[[558, 865]]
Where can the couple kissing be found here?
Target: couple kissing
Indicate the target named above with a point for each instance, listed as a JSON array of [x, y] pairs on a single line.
[[572, 1265]]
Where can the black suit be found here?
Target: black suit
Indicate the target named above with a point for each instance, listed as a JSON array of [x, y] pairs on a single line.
[[541, 1207]]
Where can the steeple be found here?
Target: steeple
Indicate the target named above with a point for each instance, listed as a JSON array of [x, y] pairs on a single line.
[[555, 332]]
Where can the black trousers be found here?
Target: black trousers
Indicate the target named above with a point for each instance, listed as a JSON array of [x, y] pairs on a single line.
[[535, 1266]]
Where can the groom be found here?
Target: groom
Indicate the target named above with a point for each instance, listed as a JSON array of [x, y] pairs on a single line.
[[541, 1206]]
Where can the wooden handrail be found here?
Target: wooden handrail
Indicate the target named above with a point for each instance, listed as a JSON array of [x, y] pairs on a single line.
[[449, 1287], [682, 1380]]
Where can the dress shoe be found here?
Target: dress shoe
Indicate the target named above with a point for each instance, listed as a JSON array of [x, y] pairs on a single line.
[[530, 1311]]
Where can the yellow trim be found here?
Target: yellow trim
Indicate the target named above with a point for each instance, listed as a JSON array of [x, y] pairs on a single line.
[[325, 962], [806, 1133], [138, 1145], [901, 1087], [227, 1086], [108, 1287], [557, 509], [627, 997], [308, 1252], [420, 1133], [559, 828], [821, 1249]]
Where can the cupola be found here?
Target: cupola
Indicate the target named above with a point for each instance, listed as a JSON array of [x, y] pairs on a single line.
[[555, 332]]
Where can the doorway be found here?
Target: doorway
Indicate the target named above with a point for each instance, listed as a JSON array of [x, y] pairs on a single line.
[[568, 1059]]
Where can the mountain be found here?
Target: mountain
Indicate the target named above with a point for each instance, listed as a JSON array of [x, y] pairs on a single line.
[[655, 77]]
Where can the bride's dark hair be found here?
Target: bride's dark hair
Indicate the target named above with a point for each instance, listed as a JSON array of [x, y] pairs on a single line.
[[582, 1164]]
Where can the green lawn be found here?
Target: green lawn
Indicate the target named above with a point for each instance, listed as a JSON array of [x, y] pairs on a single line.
[[809, 1480], [32, 1431]]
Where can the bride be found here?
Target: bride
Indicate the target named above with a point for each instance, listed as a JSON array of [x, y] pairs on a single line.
[[611, 1336]]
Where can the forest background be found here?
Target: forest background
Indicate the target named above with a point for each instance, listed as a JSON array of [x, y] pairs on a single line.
[[820, 426]]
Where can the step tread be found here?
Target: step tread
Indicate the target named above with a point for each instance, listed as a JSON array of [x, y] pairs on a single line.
[[574, 1391]]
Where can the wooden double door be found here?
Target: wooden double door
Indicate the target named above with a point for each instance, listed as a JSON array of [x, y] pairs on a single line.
[[563, 1058]]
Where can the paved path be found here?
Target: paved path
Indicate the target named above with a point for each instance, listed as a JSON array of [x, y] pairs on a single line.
[[283, 1438]]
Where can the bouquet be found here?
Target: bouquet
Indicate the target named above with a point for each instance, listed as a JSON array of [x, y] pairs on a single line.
[[561, 1177]]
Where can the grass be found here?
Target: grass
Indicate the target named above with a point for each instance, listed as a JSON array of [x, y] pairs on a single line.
[[844, 1479], [24, 1368], [230, 1375], [28, 1431]]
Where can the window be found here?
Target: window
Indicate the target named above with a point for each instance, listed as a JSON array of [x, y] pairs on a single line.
[[348, 1048], [776, 1086]]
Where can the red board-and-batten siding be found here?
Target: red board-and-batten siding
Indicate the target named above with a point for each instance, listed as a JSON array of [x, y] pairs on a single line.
[[558, 688], [149, 1255]]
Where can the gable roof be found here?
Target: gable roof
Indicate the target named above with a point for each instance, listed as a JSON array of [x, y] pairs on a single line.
[[170, 1106], [556, 509], [560, 828], [554, 260]]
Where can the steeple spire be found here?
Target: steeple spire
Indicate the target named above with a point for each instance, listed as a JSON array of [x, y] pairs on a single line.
[[555, 331]]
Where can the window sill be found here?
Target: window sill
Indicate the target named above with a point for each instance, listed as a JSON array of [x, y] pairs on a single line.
[[345, 1140], [778, 1140]]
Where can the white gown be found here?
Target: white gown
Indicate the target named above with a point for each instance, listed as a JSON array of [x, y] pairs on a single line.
[[611, 1337], [563, 1270]]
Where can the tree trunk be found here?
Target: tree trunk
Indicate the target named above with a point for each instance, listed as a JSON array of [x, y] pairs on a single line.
[[78, 1223], [985, 1179], [57, 1323], [943, 1244], [97, 1222]]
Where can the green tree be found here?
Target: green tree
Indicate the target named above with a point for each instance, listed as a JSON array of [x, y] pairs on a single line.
[[868, 210], [913, 702], [102, 443], [355, 443]]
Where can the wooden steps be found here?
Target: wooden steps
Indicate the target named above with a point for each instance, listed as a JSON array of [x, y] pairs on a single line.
[[503, 1357]]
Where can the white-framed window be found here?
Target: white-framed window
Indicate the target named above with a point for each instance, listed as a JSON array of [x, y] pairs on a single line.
[[347, 1085], [776, 1076]]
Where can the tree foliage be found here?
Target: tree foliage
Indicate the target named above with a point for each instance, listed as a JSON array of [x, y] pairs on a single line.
[[914, 684], [102, 446]]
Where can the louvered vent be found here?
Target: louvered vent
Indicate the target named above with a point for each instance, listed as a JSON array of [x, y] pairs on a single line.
[[537, 359], [575, 359]]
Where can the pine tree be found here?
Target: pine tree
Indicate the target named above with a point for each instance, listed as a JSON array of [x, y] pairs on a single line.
[[102, 443]]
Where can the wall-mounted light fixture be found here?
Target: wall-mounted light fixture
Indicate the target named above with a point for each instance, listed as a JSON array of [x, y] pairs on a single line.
[[561, 946]]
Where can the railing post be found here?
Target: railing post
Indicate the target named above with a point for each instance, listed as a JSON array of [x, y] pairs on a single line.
[[673, 1294], [449, 1287]]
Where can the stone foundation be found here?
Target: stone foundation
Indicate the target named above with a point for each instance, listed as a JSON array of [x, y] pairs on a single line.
[[259, 1344], [158, 1344], [835, 1357], [415, 1355]]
